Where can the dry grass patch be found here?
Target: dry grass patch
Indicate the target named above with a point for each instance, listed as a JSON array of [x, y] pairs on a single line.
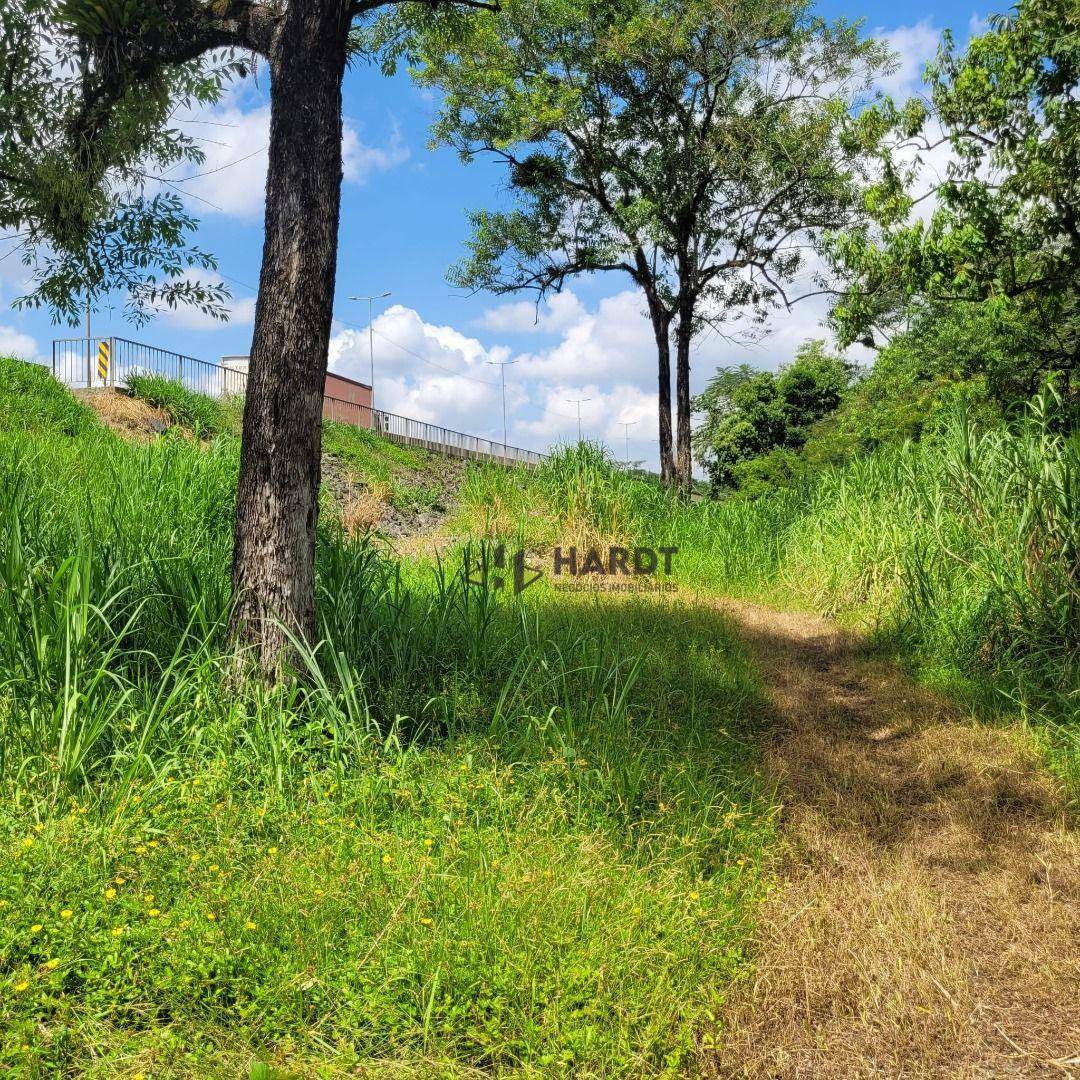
[[928, 921], [130, 416], [364, 509]]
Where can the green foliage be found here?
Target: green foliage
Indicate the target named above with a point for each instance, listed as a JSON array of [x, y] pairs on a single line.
[[71, 177], [753, 422], [912, 391], [203, 415], [1004, 231], [33, 401], [655, 138]]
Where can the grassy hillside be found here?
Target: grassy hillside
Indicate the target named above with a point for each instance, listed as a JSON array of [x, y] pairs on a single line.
[[478, 835]]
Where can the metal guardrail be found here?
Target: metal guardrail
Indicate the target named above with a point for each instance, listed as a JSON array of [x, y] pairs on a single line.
[[75, 362]]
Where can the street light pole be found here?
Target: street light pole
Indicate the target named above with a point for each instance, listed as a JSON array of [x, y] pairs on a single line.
[[89, 349], [626, 432], [502, 365], [371, 335], [578, 402]]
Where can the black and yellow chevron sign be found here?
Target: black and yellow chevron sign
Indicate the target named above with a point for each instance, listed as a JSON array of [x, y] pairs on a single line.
[[103, 361]]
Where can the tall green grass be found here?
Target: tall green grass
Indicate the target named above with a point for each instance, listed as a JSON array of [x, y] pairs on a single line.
[[204, 415], [473, 834], [962, 553]]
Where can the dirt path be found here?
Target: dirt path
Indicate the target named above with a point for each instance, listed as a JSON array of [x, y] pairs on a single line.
[[927, 920]]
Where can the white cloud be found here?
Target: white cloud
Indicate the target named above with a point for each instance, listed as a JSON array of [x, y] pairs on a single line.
[[914, 46], [613, 342], [604, 412], [360, 160], [426, 372], [234, 136], [15, 343], [437, 374], [558, 312], [241, 313]]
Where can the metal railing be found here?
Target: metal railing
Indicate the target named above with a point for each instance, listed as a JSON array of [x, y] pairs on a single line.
[[75, 362]]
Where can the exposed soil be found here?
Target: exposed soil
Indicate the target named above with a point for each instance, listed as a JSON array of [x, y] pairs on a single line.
[[130, 416], [926, 918], [373, 508]]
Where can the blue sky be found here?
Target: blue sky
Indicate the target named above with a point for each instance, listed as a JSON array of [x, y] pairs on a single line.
[[403, 222]]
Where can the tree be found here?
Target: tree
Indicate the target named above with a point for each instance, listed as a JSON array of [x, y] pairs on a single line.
[[134, 58], [1005, 232], [84, 240], [694, 145], [754, 420]]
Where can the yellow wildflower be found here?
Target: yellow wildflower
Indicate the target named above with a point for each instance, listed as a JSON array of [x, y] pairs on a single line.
[[249, 925], [154, 912], [110, 894], [116, 931], [36, 928], [52, 964], [425, 921], [66, 913], [21, 986]]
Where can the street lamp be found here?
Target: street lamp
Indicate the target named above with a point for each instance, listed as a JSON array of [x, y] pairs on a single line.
[[371, 335], [627, 425], [502, 365], [578, 402]]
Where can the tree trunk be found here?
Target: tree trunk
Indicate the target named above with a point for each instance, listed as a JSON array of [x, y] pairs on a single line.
[[277, 499], [684, 464], [660, 323]]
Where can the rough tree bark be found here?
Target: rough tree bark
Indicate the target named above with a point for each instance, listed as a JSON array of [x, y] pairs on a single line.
[[660, 317], [663, 353], [683, 459], [277, 498]]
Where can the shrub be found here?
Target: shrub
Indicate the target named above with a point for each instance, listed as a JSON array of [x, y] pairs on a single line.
[[202, 414]]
